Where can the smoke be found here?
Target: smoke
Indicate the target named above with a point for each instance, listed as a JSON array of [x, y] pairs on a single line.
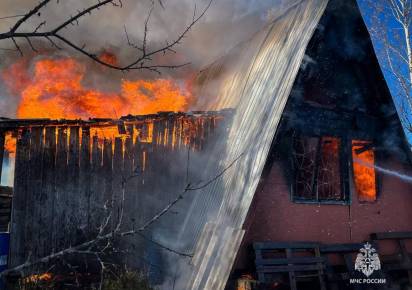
[[226, 23]]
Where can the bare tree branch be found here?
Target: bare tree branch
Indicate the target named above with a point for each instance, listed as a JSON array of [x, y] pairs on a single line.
[[32, 12], [12, 16], [397, 49], [139, 63], [86, 247]]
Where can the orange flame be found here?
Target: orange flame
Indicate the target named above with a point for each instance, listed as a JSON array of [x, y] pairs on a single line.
[[108, 57], [38, 277], [364, 172], [10, 144], [55, 90]]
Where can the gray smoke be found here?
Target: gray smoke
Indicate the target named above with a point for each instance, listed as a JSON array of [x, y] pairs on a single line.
[[226, 23]]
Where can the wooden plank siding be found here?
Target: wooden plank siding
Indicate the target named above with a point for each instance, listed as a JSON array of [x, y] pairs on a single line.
[[2, 141], [67, 180], [18, 217]]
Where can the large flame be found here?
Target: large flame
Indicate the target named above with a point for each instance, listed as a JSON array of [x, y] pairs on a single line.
[[55, 90], [364, 171]]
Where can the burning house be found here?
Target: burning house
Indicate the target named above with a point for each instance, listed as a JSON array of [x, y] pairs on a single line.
[[338, 171], [309, 163]]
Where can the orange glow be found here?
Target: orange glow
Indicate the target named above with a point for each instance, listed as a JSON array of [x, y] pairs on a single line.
[[10, 144], [102, 133], [38, 277], [55, 90], [245, 282], [364, 172], [108, 57]]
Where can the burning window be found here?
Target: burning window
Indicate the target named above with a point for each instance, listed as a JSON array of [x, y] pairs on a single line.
[[364, 176], [317, 168], [9, 154]]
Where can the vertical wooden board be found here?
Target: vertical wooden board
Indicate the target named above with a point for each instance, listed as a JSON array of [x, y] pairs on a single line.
[[130, 130], [192, 132], [118, 193], [139, 158], [155, 132], [72, 194], [206, 127], [84, 184], [96, 198], [199, 133], [170, 131], [132, 176], [179, 135], [33, 201], [47, 198], [2, 139], [143, 130], [59, 223], [18, 215], [107, 171]]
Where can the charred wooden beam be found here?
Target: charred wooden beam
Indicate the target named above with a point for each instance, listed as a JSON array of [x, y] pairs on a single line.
[[2, 140], [17, 237], [10, 124], [85, 184], [72, 195], [33, 199], [59, 222], [48, 192]]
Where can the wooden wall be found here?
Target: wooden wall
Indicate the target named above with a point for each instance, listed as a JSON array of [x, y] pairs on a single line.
[[66, 175]]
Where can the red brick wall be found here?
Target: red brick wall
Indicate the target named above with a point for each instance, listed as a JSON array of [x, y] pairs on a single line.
[[274, 217]]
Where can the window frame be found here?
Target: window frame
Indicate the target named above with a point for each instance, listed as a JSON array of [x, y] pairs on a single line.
[[378, 175], [344, 161]]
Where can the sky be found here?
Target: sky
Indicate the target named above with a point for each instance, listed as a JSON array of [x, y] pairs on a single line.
[[396, 39]]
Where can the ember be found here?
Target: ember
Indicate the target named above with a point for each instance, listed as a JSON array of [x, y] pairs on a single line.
[[38, 277]]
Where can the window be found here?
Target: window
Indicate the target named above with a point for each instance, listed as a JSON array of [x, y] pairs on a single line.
[[364, 176], [317, 169], [321, 167]]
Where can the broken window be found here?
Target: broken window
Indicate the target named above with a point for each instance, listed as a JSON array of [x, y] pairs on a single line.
[[364, 176], [317, 169]]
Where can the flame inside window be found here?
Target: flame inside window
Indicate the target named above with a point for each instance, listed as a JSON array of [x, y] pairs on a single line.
[[364, 170], [9, 157]]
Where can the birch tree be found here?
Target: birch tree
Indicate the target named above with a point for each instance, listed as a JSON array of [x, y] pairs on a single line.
[[391, 29]]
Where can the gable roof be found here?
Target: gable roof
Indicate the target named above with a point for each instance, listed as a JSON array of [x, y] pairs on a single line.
[[245, 78], [341, 73]]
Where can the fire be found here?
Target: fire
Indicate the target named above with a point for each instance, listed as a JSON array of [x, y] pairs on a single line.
[[108, 57], [10, 144], [55, 90], [38, 277], [364, 172]]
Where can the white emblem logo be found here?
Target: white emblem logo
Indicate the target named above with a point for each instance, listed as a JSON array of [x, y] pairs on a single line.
[[367, 260]]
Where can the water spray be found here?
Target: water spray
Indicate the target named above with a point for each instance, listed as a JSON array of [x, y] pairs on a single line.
[[394, 173]]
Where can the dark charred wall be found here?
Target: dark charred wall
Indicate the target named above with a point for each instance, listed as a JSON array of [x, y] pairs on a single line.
[[70, 177]]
